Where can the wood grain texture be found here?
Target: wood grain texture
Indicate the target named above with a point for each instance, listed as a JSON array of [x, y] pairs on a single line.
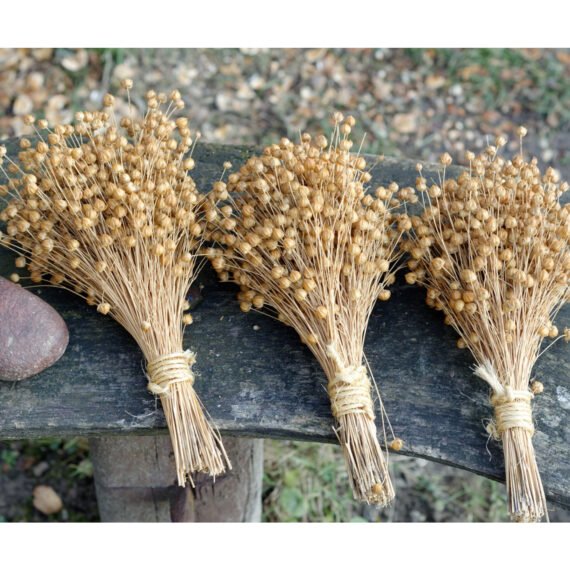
[[257, 379], [135, 481], [235, 496]]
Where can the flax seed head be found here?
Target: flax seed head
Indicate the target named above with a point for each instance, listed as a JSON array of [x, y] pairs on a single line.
[[298, 231], [492, 248]]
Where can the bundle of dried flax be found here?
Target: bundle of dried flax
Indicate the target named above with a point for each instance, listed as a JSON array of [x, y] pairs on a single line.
[[110, 212], [297, 231], [492, 249]]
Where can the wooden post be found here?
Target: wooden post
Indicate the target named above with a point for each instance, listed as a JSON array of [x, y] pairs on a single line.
[[135, 481]]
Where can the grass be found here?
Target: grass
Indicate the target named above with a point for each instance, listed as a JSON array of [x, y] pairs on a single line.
[[468, 499], [502, 76], [307, 482], [116, 55]]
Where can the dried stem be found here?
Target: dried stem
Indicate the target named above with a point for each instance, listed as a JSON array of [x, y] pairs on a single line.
[[367, 467], [197, 446], [527, 502]]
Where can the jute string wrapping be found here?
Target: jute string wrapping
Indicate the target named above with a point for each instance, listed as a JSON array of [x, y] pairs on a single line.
[[512, 407], [170, 369], [170, 377], [349, 389], [352, 406]]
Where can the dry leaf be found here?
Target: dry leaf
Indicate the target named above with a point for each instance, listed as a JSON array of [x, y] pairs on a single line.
[[470, 70], [382, 89], [42, 54], [57, 102], [563, 57], [35, 80], [123, 71], [9, 57]]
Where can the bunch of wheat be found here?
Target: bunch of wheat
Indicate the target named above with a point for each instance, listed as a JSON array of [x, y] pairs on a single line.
[[298, 233], [109, 211], [492, 249]]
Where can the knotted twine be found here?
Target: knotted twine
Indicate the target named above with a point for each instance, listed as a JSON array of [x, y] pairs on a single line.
[[349, 389], [170, 369], [512, 407]]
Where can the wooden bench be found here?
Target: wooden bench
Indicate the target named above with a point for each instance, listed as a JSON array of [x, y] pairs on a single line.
[[258, 381]]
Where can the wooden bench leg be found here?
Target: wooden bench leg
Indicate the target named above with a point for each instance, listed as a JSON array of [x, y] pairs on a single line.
[[135, 481]]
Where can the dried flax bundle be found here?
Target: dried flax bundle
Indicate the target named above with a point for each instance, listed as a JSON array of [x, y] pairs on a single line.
[[492, 249], [110, 212], [296, 230]]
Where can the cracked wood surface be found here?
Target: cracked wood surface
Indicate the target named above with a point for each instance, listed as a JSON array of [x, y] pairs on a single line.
[[257, 379]]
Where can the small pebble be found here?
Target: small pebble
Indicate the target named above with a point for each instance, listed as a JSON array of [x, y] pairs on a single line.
[[46, 500], [22, 105], [405, 123], [33, 336], [40, 468]]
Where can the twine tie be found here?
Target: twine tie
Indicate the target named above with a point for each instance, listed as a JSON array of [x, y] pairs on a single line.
[[349, 389], [512, 407], [170, 369]]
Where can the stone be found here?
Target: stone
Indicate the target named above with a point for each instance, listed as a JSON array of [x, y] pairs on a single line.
[[434, 81], [405, 123], [40, 468], [33, 336], [76, 61], [46, 500], [22, 105]]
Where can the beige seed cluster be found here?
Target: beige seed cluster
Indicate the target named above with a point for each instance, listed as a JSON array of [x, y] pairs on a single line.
[[109, 210], [298, 232], [492, 249], [300, 235]]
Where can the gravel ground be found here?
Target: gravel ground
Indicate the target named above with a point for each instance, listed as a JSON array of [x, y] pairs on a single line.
[[414, 103]]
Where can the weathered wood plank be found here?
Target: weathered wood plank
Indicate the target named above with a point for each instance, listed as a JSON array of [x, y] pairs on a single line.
[[135, 480], [257, 379], [235, 496]]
